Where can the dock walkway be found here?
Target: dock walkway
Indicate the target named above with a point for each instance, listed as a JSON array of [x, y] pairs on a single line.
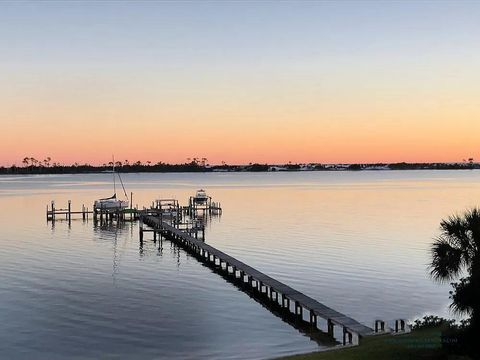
[[275, 290]]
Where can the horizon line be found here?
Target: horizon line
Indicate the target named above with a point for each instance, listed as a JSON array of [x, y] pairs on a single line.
[[206, 164]]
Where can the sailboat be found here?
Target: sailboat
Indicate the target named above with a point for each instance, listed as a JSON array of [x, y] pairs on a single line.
[[111, 203]]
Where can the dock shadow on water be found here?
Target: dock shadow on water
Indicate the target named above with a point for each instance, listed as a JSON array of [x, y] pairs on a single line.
[[305, 328]]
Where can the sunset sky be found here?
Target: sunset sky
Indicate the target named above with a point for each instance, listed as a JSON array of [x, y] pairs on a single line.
[[252, 81]]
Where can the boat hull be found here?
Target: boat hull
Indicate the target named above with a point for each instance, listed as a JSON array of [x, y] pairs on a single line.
[[200, 200], [110, 205]]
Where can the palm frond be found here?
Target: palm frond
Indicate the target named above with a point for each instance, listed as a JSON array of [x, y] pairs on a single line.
[[446, 260], [455, 230], [472, 219], [463, 297]]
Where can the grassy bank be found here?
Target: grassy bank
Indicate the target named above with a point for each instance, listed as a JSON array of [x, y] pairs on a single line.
[[419, 344]]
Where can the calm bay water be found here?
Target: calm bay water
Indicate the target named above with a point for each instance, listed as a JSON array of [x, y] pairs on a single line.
[[356, 241]]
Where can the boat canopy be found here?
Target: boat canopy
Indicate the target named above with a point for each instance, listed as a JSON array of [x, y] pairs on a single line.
[[201, 193], [114, 196]]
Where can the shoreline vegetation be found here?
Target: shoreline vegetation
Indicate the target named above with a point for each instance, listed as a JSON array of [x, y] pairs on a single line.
[[432, 338], [31, 165], [419, 344]]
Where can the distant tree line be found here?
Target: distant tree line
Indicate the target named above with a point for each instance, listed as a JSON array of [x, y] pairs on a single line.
[[46, 166], [31, 165]]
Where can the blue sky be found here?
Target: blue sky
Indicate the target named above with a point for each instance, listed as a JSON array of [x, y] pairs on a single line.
[[42, 31]]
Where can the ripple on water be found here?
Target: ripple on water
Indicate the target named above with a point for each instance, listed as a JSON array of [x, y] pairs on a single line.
[[352, 241]]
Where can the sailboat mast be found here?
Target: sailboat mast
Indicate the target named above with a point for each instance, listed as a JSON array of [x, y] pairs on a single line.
[[113, 173]]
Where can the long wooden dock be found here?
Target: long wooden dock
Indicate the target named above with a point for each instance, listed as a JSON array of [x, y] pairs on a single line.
[[275, 290]]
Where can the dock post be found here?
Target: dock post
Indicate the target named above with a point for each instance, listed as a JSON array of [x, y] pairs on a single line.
[[178, 216], [273, 295], [298, 309], [140, 229], [69, 210], [347, 336], [379, 325], [83, 212], [330, 329], [53, 210], [313, 319], [399, 325]]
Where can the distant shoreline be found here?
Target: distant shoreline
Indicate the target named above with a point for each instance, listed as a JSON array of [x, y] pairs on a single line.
[[200, 168]]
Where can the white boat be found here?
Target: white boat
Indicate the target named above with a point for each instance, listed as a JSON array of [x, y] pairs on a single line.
[[200, 197], [112, 203]]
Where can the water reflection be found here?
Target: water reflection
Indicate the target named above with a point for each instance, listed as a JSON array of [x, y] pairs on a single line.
[[112, 231], [357, 242]]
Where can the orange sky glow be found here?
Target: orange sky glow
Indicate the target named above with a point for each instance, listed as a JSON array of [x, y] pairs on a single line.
[[259, 91]]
